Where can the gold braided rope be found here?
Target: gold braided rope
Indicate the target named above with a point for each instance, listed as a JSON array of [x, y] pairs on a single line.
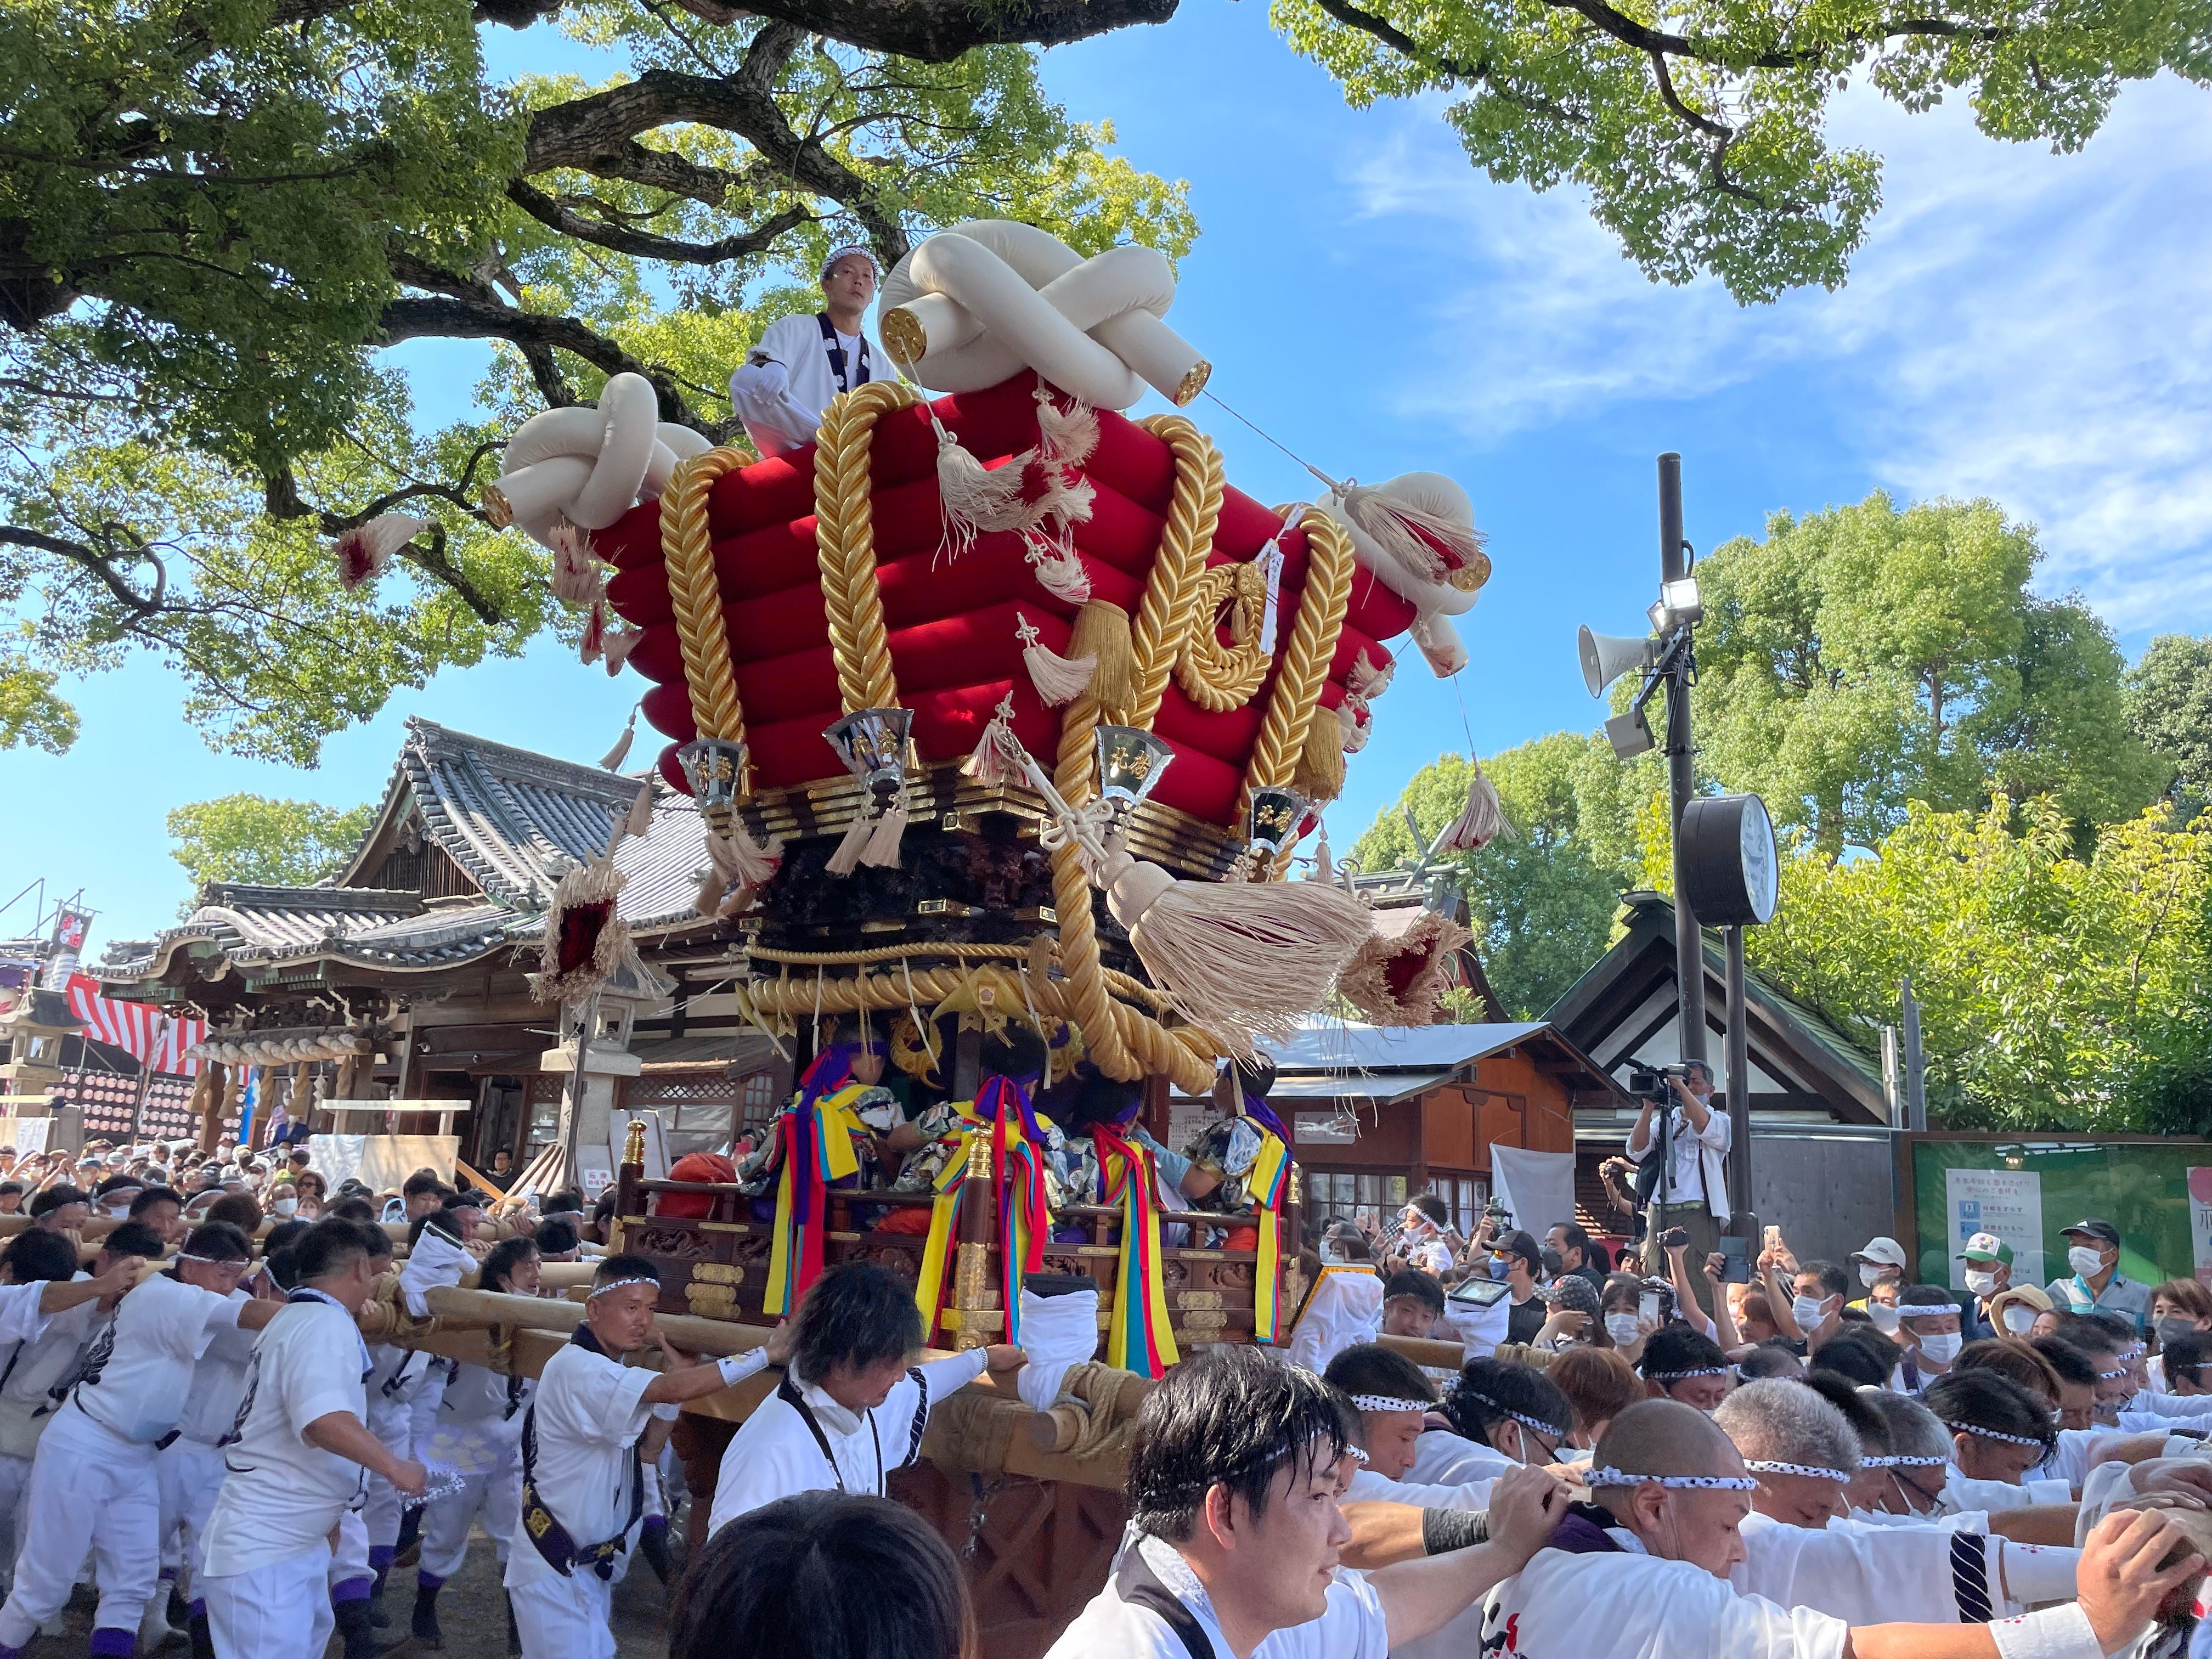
[[845, 542], [1218, 677], [887, 953], [1088, 1001], [1188, 538], [687, 549], [1306, 659]]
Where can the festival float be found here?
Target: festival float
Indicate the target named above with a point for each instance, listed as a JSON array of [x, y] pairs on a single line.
[[1002, 710]]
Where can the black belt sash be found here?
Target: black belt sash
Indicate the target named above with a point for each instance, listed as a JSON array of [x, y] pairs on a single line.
[[547, 1535], [1136, 1585]]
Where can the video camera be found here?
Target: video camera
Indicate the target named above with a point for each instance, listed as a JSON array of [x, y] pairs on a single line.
[[1651, 1082]]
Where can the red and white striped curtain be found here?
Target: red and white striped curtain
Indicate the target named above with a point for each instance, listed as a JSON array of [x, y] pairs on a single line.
[[153, 1038]]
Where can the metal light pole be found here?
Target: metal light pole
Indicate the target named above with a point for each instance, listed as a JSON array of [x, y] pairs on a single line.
[[1680, 665]]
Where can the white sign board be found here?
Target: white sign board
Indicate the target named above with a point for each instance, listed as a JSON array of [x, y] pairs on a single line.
[[382, 1163], [595, 1172], [1537, 1189], [2200, 1221], [2006, 1202], [26, 1134]]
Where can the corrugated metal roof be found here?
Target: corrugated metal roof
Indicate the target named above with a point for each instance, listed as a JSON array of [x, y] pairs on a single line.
[[1344, 1046], [1393, 1086]]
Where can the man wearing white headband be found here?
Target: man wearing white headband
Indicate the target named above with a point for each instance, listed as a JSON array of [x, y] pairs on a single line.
[[587, 1439], [1643, 1573], [801, 362], [94, 1487]]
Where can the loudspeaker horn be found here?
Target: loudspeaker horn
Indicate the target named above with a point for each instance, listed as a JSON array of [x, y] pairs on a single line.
[[1606, 658]]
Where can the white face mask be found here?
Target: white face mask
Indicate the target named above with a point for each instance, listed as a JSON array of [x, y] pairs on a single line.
[[1980, 1283], [1621, 1328], [1870, 1275], [1807, 1311], [286, 1206], [2085, 1262], [2019, 1321], [1944, 1346], [1886, 1318]]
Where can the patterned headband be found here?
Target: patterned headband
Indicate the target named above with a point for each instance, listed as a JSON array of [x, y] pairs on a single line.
[[1902, 1462], [1387, 1402], [1997, 1434], [1764, 1467], [1599, 1477], [1680, 1377], [619, 1285], [2111, 1377], [216, 1261], [1522, 1417], [1355, 1454]]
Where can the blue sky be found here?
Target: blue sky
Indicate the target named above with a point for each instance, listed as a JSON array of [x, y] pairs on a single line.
[[2037, 329]]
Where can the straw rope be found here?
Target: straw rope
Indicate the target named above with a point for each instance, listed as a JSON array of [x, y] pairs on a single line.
[[687, 549], [845, 542], [1306, 659]]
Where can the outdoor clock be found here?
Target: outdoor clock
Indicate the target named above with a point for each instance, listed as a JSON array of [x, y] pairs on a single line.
[[1731, 870]]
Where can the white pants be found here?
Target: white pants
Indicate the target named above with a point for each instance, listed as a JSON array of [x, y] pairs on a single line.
[[496, 1494], [349, 1560], [89, 1490], [190, 1476], [280, 1611], [567, 1618], [14, 1482]]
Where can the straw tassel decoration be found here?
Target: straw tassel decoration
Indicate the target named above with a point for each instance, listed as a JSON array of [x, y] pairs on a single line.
[[1058, 679], [618, 646], [584, 937], [986, 764], [638, 821], [365, 552], [1402, 980], [614, 757], [1444, 551], [886, 835], [593, 645], [576, 578], [1483, 819], [973, 499]]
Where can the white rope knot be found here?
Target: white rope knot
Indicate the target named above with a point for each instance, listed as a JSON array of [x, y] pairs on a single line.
[[1811, 1471], [978, 303], [590, 464]]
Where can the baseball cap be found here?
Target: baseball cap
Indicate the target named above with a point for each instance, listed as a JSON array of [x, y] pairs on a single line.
[[1887, 1251], [1570, 1290], [2094, 1227], [1987, 1247]]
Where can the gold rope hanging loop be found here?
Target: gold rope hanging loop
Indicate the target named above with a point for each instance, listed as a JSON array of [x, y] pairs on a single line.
[[687, 549], [1291, 708], [1188, 538], [845, 542], [1218, 677]]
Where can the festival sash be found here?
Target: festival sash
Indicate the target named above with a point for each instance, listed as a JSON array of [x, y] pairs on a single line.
[[1269, 1184], [1138, 1337], [1001, 1108], [815, 1147], [543, 1528]]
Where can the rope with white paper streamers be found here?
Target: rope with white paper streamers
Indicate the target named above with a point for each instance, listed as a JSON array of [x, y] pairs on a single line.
[[978, 303], [590, 464]]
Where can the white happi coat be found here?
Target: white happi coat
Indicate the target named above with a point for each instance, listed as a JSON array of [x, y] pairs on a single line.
[[1874, 1574]]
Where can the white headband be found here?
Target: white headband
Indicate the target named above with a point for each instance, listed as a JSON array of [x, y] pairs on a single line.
[[1355, 1454], [216, 1261], [1536, 1423], [1996, 1434], [1681, 1376], [620, 1284], [1762, 1466], [1902, 1462], [1598, 1478], [1387, 1402]]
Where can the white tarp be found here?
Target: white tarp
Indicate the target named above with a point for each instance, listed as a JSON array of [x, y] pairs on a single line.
[[382, 1163], [1538, 1189]]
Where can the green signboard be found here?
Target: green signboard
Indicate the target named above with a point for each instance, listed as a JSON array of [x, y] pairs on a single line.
[[2026, 1189]]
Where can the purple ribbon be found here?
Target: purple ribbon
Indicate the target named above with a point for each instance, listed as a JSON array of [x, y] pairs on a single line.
[[990, 1104], [1264, 1115]]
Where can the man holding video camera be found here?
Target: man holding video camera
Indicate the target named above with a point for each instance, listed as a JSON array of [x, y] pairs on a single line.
[[1689, 1193]]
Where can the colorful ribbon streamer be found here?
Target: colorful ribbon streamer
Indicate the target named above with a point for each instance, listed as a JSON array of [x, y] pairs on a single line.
[[1138, 1337], [1269, 1184], [1002, 1107], [814, 1148]]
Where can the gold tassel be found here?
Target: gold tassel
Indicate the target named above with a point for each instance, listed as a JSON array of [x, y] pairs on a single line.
[[1319, 775], [1102, 632]]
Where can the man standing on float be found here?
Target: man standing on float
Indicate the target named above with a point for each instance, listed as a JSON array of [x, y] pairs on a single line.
[[803, 361]]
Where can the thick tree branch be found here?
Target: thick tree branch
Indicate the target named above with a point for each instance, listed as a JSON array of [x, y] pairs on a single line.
[[1458, 69], [644, 244], [100, 565]]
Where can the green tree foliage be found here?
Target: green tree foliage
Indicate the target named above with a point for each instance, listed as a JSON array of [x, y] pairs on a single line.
[[2056, 990], [1866, 656], [1541, 900], [1700, 133], [216, 216], [253, 838], [2169, 707]]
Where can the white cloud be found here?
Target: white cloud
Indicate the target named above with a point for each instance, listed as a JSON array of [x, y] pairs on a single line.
[[2031, 327]]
